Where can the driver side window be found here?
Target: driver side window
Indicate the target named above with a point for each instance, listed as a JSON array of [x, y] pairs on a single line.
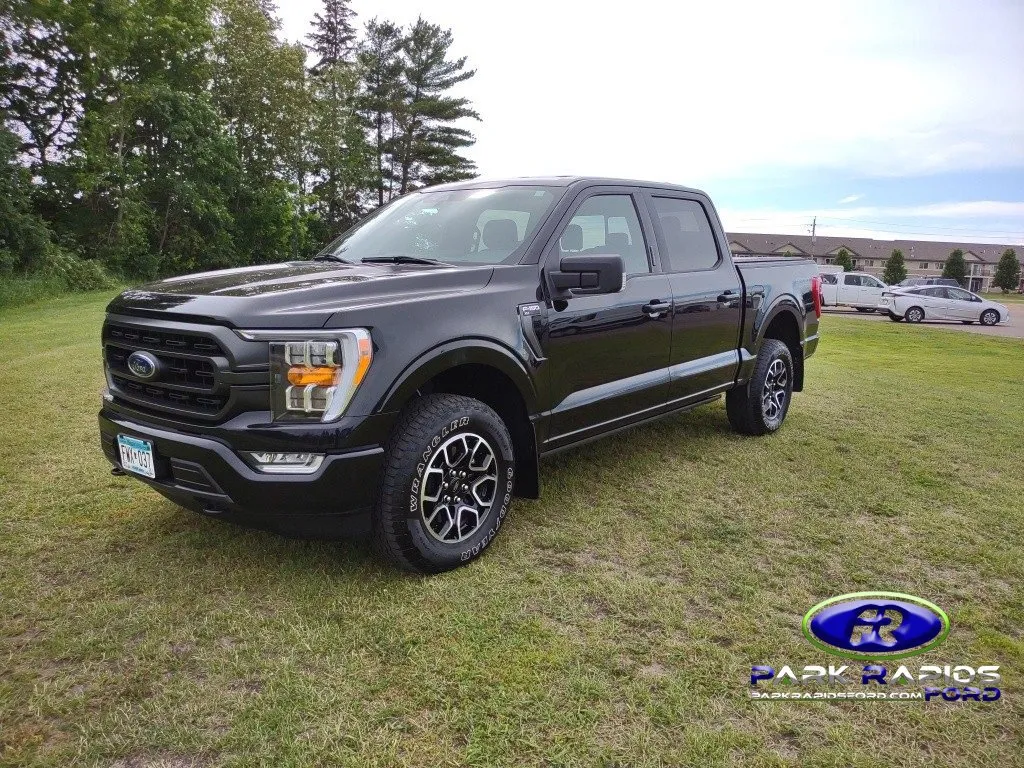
[[607, 224]]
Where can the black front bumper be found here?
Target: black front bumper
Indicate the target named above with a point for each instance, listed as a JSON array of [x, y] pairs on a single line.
[[208, 476]]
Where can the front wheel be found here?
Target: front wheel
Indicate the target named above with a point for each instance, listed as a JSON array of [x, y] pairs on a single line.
[[760, 406], [989, 317], [446, 486]]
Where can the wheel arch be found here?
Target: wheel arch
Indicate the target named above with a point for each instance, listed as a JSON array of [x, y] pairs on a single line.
[[783, 322], [487, 372]]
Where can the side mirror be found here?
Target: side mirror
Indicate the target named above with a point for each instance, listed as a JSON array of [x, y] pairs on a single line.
[[584, 274]]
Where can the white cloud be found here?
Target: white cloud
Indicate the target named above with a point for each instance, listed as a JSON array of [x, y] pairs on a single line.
[[850, 199], [691, 92]]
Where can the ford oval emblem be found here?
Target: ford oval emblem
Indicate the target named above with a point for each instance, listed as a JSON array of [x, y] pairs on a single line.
[[142, 364], [876, 625]]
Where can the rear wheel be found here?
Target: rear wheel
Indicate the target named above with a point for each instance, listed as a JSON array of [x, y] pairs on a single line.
[[447, 484], [989, 317], [914, 315], [760, 406]]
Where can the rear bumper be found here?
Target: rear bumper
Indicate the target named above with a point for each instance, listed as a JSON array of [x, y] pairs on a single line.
[[208, 476]]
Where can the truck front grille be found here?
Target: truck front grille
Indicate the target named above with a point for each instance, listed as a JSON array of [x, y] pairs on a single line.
[[204, 373]]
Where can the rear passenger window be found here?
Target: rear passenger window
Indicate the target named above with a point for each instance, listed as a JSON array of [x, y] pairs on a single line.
[[689, 239], [827, 278]]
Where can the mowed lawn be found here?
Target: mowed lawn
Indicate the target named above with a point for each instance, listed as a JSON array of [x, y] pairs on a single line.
[[612, 623]]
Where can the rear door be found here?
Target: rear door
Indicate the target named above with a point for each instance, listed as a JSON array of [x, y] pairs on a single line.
[[934, 302], [849, 290], [608, 353], [707, 294]]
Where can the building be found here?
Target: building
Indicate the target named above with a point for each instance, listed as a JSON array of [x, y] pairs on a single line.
[[923, 258]]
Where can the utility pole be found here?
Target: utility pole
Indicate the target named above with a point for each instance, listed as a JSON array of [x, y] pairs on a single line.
[[814, 229]]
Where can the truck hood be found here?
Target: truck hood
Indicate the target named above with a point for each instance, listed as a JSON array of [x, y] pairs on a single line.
[[295, 294]]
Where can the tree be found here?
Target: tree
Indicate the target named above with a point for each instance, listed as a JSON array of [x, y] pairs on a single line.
[[956, 267], [333, 36], [336, 139], [428, 139], [895, 268], [380, 69], [1007, 275], [843, 260], [254, 77], [24, 236]]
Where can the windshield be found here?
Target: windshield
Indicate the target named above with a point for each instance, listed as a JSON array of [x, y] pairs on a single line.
[[461, 226]]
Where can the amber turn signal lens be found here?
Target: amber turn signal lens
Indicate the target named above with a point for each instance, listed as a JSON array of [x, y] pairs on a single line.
[[302, 375]]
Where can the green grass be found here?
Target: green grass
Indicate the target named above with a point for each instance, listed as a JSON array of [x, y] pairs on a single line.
[[1004, 298], [613, 622]]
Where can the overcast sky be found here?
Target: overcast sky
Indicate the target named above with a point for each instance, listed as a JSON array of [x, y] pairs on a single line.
[[887, 119]]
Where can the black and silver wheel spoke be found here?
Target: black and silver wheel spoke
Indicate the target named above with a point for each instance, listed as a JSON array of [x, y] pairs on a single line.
[[773, 397], [459, 487]]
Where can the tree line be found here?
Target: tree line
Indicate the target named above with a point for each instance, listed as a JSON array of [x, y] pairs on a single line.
[[1006, 278], [144, 138]]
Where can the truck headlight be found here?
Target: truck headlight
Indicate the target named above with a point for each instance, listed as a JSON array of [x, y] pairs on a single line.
[[314, 374]]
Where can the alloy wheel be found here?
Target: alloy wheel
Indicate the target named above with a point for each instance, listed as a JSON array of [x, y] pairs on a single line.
[[773, 397], [459, 487]]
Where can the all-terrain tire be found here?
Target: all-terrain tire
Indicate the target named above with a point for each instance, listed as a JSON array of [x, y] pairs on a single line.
[[424, 450], [746, 405]]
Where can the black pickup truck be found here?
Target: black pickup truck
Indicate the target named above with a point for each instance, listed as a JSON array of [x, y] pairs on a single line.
[[405, 382]]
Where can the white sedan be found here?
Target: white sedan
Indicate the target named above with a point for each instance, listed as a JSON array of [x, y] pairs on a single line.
[[940, 302]]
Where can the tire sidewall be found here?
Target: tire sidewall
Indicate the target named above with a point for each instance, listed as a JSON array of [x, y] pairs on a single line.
[[910, 312], [989, 313], [443, 555]]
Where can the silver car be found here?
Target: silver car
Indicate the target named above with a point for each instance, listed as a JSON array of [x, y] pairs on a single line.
[[940, 302]]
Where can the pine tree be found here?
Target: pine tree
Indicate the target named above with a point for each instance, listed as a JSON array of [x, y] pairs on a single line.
[[333, 36], [336, 140], [428, 138], [956, 267], [843, 260], [895, 268], [380, 69], [1007, 275]]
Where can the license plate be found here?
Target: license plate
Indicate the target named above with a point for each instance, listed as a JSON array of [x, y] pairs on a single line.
[[137, 455]]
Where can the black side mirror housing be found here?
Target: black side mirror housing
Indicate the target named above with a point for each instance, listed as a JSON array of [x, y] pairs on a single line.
[[583, 274]]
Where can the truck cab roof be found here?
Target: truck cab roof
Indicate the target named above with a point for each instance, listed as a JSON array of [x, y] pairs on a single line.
[[561, 181]]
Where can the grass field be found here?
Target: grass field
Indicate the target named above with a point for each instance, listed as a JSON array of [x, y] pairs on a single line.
[[1004, 298], [612, 623]]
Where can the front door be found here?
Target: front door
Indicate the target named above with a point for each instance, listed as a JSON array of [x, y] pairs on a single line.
[[707, 296], [962, 304], [608, 354]]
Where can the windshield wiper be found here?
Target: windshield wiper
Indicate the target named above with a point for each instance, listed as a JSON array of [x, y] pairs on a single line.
[[400, 260], [330, 257]]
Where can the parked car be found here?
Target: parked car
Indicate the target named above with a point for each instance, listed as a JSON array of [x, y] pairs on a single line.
[[910, 282], [405, 382], [940, 302], [851, 289]]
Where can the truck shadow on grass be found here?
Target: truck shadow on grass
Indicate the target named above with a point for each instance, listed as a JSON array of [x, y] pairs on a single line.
[[615, 470]]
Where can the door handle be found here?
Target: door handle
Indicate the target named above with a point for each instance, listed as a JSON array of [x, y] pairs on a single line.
[[655, 307], [726, 295]]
